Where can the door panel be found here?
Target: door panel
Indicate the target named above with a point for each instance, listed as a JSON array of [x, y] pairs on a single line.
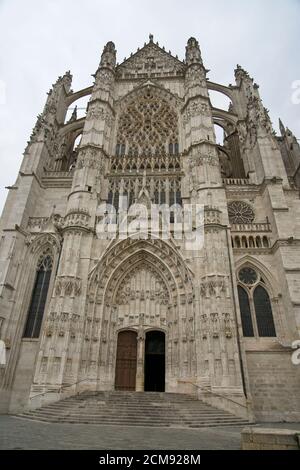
[[155, 362], [126, 361]]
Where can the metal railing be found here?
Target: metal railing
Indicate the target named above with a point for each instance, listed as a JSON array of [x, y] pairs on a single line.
[[207, 390], [61, 388]]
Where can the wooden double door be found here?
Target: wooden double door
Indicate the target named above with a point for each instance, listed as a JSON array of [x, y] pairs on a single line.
[[154, 361]]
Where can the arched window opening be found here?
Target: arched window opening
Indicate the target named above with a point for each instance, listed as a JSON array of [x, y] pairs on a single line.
[[258, 242], [255, 305], [247, 324], [219, 133], [263, 312], [225, 163], [265, 242], [251, 242], [244, 242], [148, 125], [38, 298], [74, 153], [237, 242]]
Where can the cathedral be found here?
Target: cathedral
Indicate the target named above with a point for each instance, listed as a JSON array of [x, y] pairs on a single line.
[[83, 312]]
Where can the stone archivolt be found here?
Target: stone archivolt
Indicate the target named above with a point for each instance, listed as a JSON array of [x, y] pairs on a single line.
[[140, 284], [42, 241]]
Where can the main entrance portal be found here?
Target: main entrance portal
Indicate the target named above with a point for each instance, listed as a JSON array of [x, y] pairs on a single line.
[[155, 362], [126, 361]]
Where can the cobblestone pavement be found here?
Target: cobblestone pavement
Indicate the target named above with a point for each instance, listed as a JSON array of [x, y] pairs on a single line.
[[17, 433]]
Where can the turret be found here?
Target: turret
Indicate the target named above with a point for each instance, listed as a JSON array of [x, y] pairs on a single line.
[[290, 151], [108, 57]]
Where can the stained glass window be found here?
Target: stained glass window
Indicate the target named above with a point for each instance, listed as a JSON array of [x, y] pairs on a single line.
[[247, 324], [38, 298], [263, 312]]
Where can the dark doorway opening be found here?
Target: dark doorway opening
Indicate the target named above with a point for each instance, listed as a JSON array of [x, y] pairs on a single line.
[[155, 362], [126, 361]]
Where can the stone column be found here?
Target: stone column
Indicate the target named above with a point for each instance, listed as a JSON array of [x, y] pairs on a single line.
[[140, 369]]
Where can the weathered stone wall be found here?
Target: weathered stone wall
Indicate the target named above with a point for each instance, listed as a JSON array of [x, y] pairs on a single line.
[[270, 439], [275, 385]]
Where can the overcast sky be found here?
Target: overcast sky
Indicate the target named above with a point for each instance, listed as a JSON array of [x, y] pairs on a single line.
[[41, 39]]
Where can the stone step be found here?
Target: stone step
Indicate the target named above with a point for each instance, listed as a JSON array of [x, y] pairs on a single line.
[[180, 424], [110, 412], [131, 417], [107, 419], [116, 408]]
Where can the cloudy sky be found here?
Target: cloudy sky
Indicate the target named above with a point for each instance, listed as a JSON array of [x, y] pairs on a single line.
[[40, 40]]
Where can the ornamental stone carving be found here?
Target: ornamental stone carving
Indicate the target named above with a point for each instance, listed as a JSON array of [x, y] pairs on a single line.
[[195, 75], [76, 218], [67, 286], [210, 158], [152, 60], [211, 215], [214, 286], [240, 212], [90, 158], [104, 80], [194, 108], [148, 124], [97, 111]]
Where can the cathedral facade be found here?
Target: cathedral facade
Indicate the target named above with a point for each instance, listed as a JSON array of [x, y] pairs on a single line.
[[79, 311]]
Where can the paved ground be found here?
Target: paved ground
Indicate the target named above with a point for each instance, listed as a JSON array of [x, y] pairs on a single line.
[[17, 433]]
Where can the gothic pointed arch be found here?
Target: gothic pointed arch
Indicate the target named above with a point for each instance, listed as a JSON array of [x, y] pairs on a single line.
[[254, 263], [39, 294], [255, 294], [40, 242], [139, 284], [147, 122], [164, 251]]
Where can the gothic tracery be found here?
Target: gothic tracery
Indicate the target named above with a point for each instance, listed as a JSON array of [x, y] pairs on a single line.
[[148, 126]]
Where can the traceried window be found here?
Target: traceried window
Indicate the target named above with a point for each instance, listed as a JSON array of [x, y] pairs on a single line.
[[255, 305], [147, 126], [240, 213], [263, 311], [165, 190], [38, 297], [247, 323]]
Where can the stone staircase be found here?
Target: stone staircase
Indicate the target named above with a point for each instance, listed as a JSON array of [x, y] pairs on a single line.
[[134, 409]]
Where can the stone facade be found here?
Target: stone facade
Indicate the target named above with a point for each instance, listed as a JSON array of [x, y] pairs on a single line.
[[149, 133]]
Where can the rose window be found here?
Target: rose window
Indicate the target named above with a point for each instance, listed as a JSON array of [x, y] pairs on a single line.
[[240, 213]]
